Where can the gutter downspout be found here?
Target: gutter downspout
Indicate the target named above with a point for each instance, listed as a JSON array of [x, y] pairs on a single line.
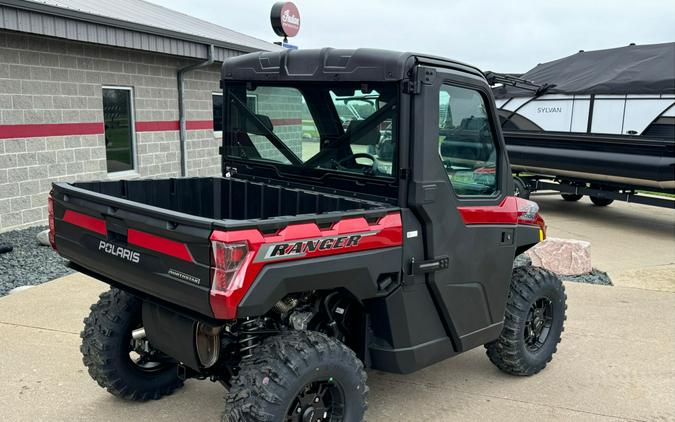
[[181, 107]]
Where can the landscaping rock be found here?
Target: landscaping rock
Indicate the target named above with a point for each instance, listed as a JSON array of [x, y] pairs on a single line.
[[522, 260], [594, 277], [29, 263], [19, 289], [43, 238], [562, 256]]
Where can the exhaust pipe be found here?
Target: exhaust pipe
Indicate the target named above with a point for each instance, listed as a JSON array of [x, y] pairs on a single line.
[[138, 334]]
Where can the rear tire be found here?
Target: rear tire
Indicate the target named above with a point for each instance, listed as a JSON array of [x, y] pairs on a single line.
[[286, 375], [106, 347], [533, 322], [601, 202], [571, 197], [520, 188]]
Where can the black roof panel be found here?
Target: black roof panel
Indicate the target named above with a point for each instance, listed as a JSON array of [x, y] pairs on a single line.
[[329, 64]]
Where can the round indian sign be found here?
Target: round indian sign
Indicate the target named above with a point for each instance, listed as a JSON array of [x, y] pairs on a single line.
[[285, 19]]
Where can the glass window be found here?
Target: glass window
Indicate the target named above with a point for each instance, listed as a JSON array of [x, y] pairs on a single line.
[[217, 112], [317, 127], [466, 142], [217, 99], [119, 129]]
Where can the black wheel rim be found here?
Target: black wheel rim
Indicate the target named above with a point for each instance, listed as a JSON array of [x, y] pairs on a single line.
[[538, 324], [318, 401]]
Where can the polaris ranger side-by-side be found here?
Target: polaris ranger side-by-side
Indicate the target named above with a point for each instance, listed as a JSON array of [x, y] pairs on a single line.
[[315, 255]]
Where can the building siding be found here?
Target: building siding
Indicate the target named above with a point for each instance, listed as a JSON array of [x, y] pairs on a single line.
[[54, 86], [60, 27]]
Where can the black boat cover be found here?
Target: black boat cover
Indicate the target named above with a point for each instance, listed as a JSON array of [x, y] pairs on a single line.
[[634, 69]]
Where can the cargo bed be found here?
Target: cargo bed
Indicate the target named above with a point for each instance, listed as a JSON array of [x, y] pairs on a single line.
[[108, 227]]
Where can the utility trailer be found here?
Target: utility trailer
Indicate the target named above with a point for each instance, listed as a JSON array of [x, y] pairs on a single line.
[[598, 123]]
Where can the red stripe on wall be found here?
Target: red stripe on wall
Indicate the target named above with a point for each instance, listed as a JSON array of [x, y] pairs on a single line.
[[286, 122], [157, 126], [44, 130], [73, 129], [199, 124], [168, 125]]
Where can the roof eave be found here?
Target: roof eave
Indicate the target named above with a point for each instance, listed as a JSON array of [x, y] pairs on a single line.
[[118, 23]]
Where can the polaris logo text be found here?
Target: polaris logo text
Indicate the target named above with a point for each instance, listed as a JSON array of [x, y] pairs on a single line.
[[119, 251], [304, 247]]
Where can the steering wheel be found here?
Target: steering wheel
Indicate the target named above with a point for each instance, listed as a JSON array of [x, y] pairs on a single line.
[[368, 170], [357, 155]]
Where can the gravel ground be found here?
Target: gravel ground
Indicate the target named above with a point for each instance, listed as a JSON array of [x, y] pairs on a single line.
[[29, 263], [594, 277]]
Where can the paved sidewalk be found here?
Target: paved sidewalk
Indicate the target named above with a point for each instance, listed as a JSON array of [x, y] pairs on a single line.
[[614, 363]]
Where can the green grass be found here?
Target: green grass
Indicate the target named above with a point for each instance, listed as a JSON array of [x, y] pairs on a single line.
[[665, 195]]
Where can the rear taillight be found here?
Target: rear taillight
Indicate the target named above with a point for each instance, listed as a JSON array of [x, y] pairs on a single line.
[[528, 213], [227, 259], [52, 230]]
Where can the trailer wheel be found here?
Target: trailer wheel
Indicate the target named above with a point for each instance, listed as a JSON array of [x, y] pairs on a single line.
[[117, 362], [601, 202], [533, 322], [571, 197], [520, 188], [298, 376]]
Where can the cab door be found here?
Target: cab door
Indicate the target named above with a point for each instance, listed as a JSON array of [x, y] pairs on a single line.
[[460, 180]]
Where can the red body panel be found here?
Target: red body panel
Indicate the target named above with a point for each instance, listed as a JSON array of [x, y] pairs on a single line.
[[504, 213], [159, 244], [96, 225], [134, 237], [386, 232], [507, 212]]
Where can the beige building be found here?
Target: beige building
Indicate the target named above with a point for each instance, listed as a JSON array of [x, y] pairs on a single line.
[[90, 90]]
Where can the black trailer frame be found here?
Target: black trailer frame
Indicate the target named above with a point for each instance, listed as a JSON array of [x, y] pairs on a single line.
[[534, 183]]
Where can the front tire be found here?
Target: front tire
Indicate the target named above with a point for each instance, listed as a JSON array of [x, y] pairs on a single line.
[[601, 202], [571, 197], [533, 322], [298, 376], [108, 351]]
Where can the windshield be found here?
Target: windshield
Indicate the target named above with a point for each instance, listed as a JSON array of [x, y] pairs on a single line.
[[338, 128]]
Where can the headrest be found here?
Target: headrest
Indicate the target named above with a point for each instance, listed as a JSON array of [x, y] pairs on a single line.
[[371, 137], [253, 129]]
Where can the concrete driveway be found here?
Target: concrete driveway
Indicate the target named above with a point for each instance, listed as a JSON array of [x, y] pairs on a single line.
[[615, 361], [633, 243]]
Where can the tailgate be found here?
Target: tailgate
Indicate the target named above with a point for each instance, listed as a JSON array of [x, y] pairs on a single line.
[[158, 252]]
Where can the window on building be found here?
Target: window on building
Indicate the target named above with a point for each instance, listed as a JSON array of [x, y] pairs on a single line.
[[467, 142], [118, 118], [217, 98]]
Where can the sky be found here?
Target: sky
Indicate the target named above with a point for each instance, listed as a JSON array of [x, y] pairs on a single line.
[[503, 36]]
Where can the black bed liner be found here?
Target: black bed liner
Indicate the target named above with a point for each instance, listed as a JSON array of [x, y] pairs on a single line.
[[225, 203]]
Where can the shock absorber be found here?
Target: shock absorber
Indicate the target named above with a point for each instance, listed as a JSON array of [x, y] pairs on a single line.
[[247, 340]]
